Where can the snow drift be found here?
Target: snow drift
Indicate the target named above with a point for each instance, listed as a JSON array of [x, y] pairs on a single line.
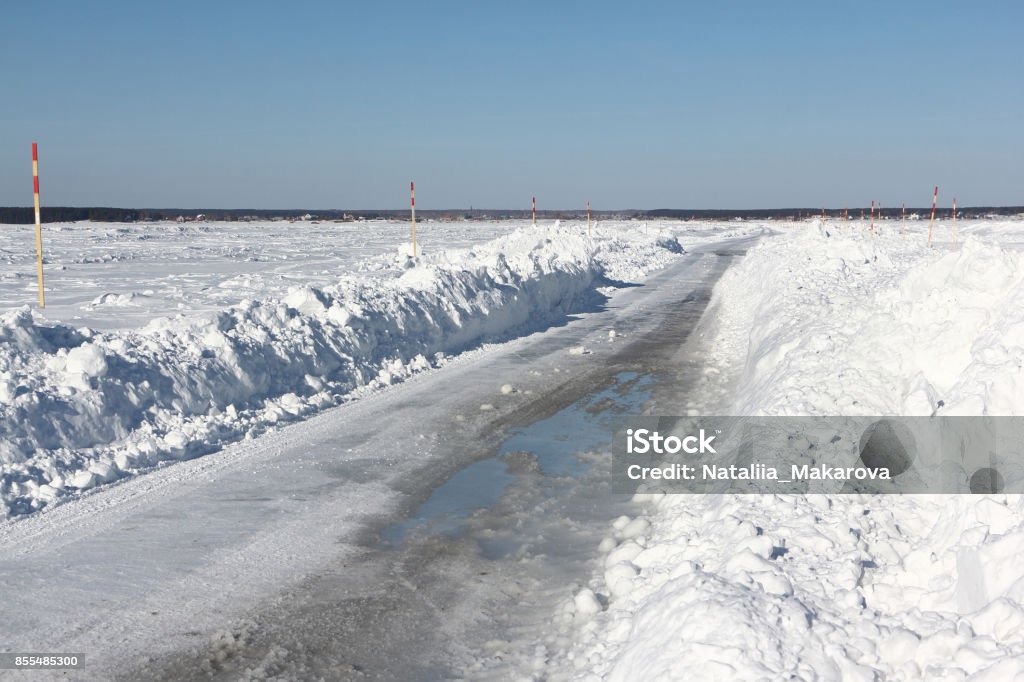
[[826, 323], [79, 407], [823, 320]]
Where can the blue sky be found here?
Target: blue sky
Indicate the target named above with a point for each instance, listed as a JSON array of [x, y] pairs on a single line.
[[630, 105]]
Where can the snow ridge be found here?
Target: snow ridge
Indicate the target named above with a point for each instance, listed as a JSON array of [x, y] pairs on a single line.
[[79, 408], [825, 320]]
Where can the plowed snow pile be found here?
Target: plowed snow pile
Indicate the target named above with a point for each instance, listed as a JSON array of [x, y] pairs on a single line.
[[841, 325], [80, 407], [844, 587]]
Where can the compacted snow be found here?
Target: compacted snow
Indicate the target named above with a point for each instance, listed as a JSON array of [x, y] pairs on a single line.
[[80, 406], [826, 320]]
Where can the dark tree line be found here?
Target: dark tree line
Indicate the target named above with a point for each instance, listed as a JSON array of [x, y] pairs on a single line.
[[854, 212], [16, 215], [54, 214]]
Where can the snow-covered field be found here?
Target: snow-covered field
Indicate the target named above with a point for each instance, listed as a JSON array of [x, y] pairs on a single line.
[[111, 276], [164, 342], [826, 320]]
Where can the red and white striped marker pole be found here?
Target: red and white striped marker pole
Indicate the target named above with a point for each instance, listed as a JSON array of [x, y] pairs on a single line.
[[872, 217], [534, 208], [935, 198], [39, 227], [412, 204], [588, 217]]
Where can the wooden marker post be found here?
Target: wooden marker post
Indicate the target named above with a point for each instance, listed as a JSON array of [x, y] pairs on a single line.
[[588, 217], [533, 207], [935, 198], [39, 227], [412, 204]]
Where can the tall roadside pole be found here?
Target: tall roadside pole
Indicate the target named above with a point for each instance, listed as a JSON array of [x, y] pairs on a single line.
[[39, 227], [412, 205], [935, 198]]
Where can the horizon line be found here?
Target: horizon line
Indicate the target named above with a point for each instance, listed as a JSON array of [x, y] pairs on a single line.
[[513, 210]]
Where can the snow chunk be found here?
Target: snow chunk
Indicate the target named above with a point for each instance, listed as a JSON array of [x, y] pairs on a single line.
[[586, 603], [87, 359]]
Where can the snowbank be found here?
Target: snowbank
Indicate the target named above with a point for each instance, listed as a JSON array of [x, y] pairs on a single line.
[[846, 587], [79, 408], [753, 587], [846, 325]]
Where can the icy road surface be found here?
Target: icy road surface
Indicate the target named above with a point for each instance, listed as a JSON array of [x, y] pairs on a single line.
[[313, 550]]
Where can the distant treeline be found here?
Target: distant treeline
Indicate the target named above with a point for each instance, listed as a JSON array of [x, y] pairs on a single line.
[[55, 214], [58, 214], [788, 213], [61, 214]]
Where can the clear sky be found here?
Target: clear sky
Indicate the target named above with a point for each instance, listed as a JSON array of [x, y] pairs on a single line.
[[630, 105]]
